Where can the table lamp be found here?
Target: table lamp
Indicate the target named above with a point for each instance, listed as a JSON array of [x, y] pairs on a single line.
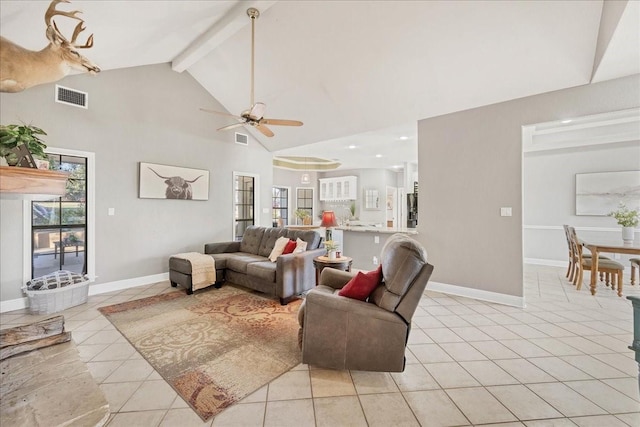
[[328, 221]]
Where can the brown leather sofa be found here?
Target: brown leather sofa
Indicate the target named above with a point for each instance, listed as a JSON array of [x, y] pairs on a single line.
[[343, 333], [246, 263]]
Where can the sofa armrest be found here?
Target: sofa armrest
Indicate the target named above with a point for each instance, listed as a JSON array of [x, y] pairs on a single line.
[[221, 248], [335, 278], [295, 273]]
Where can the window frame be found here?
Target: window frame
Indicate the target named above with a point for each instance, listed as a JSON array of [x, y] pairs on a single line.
[[256, 200], [312, 198], [288, 209], [90, 247]]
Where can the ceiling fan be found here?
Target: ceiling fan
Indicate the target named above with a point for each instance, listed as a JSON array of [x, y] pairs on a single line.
[[254, 116]]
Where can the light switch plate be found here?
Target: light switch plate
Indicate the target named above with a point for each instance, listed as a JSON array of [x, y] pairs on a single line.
[[505, 211], [376, 239], [112, 211]]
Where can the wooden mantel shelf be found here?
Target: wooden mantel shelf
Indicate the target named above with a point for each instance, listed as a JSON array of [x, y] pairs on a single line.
[[18, 180]]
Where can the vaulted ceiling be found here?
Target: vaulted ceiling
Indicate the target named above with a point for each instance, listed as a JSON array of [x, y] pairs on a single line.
[[356, 72]]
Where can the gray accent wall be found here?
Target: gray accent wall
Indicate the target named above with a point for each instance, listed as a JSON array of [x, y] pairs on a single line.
[[143, 114], [470, 165]]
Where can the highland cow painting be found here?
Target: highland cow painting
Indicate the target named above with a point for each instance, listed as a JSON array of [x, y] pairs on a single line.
[[172, 182]]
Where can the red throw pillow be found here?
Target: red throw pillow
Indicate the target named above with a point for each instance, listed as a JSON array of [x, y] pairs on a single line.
[[289, 248], [362, 284]]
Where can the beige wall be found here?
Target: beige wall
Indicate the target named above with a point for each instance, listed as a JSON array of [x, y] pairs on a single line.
[[142, 114], [470, 165]]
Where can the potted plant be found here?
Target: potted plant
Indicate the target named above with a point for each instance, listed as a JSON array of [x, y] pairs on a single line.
[[331, 247], [303, 216], [13, 135], [628, 219]]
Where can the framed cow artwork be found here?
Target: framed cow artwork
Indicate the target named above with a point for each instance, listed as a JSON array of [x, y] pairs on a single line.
[[172, 182]]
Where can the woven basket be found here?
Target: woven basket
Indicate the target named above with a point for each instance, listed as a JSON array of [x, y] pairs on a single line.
[[49, 301]]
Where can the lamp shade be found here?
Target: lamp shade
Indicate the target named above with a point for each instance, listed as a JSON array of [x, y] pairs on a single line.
[[329, 219]]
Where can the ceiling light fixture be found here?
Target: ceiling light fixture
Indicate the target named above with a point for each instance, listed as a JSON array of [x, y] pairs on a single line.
[[351, 147], [305, 178], [378, 155], [404, 138], [566, 121]]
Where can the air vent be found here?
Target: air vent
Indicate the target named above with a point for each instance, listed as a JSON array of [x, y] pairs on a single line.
[[65, 95], [242, 139]]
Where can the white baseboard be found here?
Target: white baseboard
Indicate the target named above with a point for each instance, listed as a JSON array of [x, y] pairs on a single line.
[[119, 285], [564, 264], [14, 304], [549, 262], [102, 288], [478, 294]]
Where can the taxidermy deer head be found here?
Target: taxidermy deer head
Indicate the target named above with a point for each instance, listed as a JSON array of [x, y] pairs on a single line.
[[21, 68]]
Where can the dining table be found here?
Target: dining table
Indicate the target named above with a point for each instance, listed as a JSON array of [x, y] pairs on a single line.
[[612, 246]]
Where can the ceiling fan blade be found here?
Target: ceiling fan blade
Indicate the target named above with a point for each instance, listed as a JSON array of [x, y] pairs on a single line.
[[221, 113], [280, 122], [265, 130], [257, 110], [235, 125]]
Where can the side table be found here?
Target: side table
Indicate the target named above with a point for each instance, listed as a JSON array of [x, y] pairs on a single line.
[[321, 262]]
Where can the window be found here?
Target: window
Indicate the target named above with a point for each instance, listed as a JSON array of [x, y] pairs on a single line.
[[244, 207], [59, 226], [280, 206], [304, 200]]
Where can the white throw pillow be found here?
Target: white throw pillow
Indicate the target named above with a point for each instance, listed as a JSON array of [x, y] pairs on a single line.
[[301, 246], [278, 248]]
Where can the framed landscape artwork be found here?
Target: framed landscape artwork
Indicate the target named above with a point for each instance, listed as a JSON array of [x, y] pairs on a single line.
[[600, 193], [172, 182]]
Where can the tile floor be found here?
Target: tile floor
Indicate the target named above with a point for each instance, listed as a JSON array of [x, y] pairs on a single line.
[[562, 361]]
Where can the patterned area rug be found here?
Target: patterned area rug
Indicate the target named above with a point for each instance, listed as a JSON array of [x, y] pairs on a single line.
[[214, 347]]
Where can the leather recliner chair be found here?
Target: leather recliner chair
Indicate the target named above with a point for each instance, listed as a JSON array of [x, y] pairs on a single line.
[[342, 333]]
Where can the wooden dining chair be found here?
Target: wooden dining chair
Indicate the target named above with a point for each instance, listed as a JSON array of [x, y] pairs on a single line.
[[635, 263], [573, 257], [614, 270]]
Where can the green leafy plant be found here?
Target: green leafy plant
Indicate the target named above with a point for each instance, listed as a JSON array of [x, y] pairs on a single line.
[[301, 213], [13, 135], [626, 217], [352, 209], [330, 245]]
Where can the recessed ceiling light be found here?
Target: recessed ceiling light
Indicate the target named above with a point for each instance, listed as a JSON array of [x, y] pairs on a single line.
[[351, 147], [566, 121], [378, 155], [404, 138], [395, 166]]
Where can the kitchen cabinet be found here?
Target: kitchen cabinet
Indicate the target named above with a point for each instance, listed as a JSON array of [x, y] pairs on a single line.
[[338, 188]]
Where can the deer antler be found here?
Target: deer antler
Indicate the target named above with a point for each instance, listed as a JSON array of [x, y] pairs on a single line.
[[52, 11], [48, 19], [79, 28]]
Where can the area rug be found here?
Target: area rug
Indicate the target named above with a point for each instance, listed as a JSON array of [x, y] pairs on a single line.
[[213, 347]]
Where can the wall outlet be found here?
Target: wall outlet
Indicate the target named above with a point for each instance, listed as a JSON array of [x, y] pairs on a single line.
[[376, 239], [111, 211], [505, 211], [375, 260]]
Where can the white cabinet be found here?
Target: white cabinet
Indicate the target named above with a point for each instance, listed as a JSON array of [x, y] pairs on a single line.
[[339, 188]]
